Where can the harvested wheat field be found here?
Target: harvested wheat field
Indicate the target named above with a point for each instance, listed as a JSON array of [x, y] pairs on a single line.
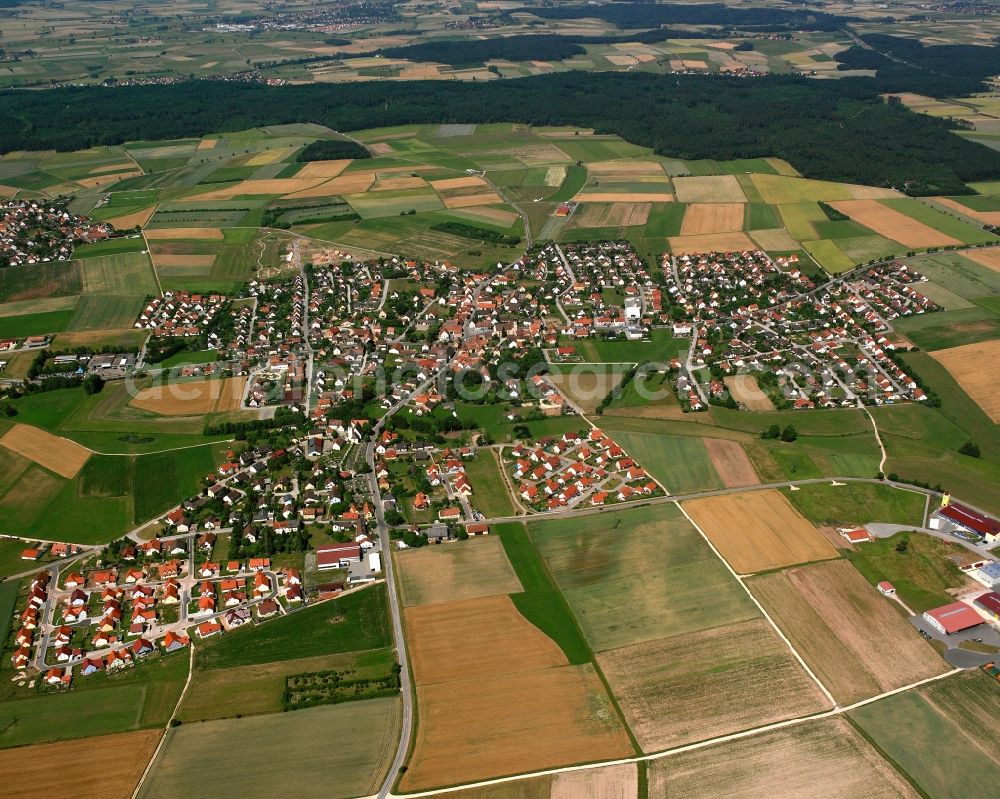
[[892, 224], [191, 397], [59, 455], [447, 184], [354, 183], [687, 688], [849, 634], [269, 156], [715, 189], [731, 462], [775, 240], [207, 144], [745, 389], [477, 638], [101, 180], [628, 171], [279, 186], [712, 218], [554, 176], [985, 217], [609, 782], [711, 242], [487, 198], [398, 182], [323, 169], [597, 196], [475, 568], [966, 365], [198, 261], [486, 214], [610, 214], [988, 257], [184, 233], [824, 759], [129, 221], [34, 765], [758, 530], [481, 728]]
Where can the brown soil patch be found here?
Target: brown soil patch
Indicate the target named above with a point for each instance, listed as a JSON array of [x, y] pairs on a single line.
[[967, 365], [474, 568], [354, 183], [482, 728], [986, 217], [850, 635], [712, 218], [586, 387], [101, 180], [823, 759], [129, 221], [323, 169], [191, 397], [712, 242], [758, 530], [731, 462], [206, 144], [405, 182], [475, 638], [892, 224], [35, 766], [181, 233], [505, 218], [380, 148], [457, 183], [744, 389], [988, 257], [59, 455], [690, 687], [610, 782], [473, 199], [644, 171], [624, 197]]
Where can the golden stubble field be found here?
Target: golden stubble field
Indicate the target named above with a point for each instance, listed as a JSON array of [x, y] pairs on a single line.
[[758, 530], [851, 636], [967, 364], [191, 397], [475, 568], [893, 224], [41, 769], [496, 696], [702, 218], [59, 455], [687, 688], [824, 759]]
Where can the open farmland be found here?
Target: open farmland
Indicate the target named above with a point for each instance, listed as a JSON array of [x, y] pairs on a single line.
[[586, 386], [718, 189], [206, 757], [33, 765], [955, 719], [823, 759], [481, 728], [781, 189], [650, 560], [712, 218], [681, 463], [59, 455], [690, 687], [194, 397], [731, 462], [852, 637], [758, 530], [710, 242], [893, 224], [966, 364], [474, 568], [990, 258]]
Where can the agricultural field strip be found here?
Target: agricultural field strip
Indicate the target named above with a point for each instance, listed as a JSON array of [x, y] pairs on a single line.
[[677, 750]]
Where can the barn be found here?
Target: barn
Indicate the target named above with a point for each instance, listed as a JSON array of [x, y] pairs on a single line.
[[953, 618], [990, 603], [965, 518]]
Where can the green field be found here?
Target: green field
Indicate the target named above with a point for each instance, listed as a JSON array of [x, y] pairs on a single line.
[[106, 476], [489, 490], [955, 721], [920, 571], [354, 622], [541, 603], [34, 324], [939, 331], [948, 225], [681, 463], [661, 348], [638, 575], [131, 244], [54, 279], [333, 752], [857, 504]]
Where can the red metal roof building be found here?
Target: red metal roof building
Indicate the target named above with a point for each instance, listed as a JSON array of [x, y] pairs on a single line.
[[990, 603], [953, 618], [337, 556], [972, 520]]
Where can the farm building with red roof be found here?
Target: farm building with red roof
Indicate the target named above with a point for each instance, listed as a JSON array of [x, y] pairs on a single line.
[[953, 618]]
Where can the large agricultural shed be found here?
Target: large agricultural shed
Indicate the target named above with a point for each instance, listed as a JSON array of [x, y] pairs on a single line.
[[968, 519], [953, 618]]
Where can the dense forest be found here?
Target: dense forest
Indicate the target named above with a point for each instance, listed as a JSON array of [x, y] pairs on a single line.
[[834, 130], [907, 65], [332, 150], [648, 15]]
